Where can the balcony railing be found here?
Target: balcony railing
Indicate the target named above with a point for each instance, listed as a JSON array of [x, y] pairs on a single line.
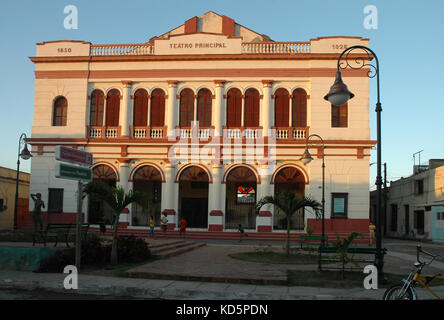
[[291, 133], [201, 133], [241, 132], [121, 50], [96, 132], [141, 49], [276, 47], [147, 132]]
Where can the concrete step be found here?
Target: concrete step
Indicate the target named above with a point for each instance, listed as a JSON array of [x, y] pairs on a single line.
[[172, 252], [159, 249]]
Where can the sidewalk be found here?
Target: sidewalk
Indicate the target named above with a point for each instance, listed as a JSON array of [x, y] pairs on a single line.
[[212, 260]]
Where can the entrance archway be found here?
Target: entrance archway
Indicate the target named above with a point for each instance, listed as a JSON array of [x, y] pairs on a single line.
[[147, 179], [98, 210], [193, 197], [241, 187], [289, 178]]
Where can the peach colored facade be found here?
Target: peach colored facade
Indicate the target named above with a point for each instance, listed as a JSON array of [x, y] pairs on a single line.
[[214, 53]]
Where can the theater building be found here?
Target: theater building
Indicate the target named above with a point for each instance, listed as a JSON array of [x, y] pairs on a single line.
[[206, 118]]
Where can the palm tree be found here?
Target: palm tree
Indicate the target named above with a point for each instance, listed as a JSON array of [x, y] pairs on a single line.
[[289, 203], [118, 200]]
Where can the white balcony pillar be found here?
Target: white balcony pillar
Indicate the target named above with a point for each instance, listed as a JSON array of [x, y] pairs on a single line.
[[218, 114], [266, 114], [125, 109], [172, 111]]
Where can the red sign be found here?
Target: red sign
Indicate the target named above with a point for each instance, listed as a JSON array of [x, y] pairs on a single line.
[[73, 155]]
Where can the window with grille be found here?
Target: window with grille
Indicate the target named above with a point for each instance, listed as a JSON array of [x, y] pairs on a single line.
[[55, 200], [60, 112], [339, 116], [339, 205]]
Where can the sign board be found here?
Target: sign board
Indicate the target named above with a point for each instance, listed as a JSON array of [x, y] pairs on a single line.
[[198, 44], [72, 155], [65, 171]]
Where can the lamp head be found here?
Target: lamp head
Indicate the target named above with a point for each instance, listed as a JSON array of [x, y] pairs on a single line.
[[25, 154], [306, 157], [339, 93]]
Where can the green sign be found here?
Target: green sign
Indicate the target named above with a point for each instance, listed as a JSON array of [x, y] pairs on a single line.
[[65, 171]]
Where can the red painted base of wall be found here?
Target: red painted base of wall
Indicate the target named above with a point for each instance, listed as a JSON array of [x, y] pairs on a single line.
[[264, 229], [64, 217], [169, 212], [214, 213], [171, 226], [341, 226], [215, 227]]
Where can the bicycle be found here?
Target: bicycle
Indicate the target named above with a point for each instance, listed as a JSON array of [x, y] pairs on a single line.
[[406, 291]]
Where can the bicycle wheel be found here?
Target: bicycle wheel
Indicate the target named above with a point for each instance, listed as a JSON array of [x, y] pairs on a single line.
[[394, 292]]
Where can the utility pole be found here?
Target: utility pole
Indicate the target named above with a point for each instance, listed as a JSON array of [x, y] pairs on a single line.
[[385, 198]]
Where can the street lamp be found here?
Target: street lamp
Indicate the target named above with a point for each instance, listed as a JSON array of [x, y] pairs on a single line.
[[339, 95], [25, 155], [307, 158]]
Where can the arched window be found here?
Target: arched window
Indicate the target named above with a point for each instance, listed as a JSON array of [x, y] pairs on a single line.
[[204, 102], [281, 108], [234, 108], [60, 112], [112, 108], [96, 108], [157, 113], [251, 111], [339, 116], [186, 108], [140, 114], [299, 108]]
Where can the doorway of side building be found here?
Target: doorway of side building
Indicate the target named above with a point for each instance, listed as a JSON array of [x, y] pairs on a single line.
[[289, 178], [193, 197], [147, 179], [241, 187], [98, 210]]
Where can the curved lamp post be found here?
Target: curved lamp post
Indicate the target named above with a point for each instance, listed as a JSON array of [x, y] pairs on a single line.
[[307, 158], [25, 155], [339, 95]]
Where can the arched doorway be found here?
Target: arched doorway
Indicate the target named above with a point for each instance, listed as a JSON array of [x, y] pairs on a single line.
[[98, 210], [289, 178], [193, 197], [149, 180], [241, 187]]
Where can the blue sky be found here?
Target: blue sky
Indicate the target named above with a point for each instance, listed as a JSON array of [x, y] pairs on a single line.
[[408, 42]]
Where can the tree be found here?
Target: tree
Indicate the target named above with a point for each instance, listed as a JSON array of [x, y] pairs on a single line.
[[118, 200], [342, 249], [289, 203]]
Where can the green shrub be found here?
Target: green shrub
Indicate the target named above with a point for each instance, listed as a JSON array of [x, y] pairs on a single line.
[[131, 249]]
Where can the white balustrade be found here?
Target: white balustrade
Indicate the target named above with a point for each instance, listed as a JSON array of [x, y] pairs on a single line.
[[156, 133]]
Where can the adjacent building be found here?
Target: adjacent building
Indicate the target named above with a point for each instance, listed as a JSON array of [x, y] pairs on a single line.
[[8, 184], [206, 118], [415, 205]]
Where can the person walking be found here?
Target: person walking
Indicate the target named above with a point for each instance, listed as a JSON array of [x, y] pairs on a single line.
[[152, 224], [183, 227], [163, 223], [371, 229], [241, 232]]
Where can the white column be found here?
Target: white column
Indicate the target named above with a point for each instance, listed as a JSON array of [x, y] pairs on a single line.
[[216, 200], [170, 194], [266, 114], [218, 117], [264, 220], [172, 110], [126, 101], [124, 171]]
